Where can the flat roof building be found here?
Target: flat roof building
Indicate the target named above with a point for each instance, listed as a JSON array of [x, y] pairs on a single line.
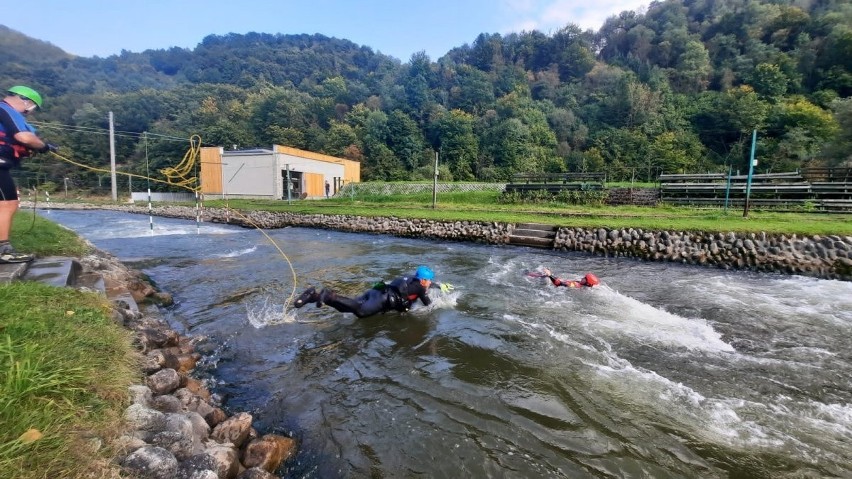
[[264, 173]]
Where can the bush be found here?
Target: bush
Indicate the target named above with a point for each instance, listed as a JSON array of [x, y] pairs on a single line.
[[572, 197]]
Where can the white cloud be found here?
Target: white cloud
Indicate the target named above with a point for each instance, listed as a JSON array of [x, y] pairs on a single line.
[[551, 15]]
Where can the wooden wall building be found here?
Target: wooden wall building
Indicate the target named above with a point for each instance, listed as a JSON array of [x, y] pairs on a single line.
[[266, 173]]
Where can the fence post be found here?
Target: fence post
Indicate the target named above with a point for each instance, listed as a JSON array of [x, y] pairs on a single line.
[[750, 172], [435, 183]]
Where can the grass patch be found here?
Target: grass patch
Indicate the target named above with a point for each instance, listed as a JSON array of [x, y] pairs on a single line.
[[64, 371], [64, 368], [33, 234]]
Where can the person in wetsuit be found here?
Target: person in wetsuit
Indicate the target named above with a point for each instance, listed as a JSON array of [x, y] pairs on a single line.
[[398, 295], [588, 280]]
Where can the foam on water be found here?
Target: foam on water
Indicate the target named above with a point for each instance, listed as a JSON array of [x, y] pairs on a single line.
[[137, 228], [718, 420], [619, 314], [786, 297], [440, 300], [236, 253]]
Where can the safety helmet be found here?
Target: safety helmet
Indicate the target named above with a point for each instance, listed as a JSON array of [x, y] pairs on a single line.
[[591, 280], [27, 93], [424, 272]]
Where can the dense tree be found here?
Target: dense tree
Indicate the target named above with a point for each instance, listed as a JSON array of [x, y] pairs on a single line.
[[679, 86]]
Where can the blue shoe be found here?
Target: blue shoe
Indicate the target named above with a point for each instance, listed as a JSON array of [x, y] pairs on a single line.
[[308, 296]]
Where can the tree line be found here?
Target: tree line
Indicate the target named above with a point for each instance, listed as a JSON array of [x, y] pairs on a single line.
[[676, 88]]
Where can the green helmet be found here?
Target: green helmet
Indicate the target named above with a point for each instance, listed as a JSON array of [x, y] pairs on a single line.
[[27, 93]]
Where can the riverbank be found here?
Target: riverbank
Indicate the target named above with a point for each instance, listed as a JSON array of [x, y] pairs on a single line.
[[100, 385], [820, 256], [174, 426]]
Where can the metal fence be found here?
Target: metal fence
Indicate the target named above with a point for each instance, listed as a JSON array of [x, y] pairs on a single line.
[[387, 189]]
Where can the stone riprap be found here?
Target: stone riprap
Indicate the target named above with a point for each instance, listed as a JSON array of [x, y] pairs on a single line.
[[827, 256], [174, 427], [819, 256]]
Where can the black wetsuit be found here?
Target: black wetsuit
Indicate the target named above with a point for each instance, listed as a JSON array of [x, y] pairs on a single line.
[[398, 295]]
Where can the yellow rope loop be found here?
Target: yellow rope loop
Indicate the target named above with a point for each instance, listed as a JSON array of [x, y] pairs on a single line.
[[180, 173]]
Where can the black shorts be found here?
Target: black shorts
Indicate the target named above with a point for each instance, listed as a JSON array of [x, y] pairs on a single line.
[[8, 190]]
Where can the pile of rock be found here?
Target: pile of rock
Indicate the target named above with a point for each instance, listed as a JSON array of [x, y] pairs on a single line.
[[820, 256], [175, 428]]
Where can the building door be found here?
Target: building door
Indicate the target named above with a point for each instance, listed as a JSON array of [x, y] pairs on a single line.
[[295, 184]]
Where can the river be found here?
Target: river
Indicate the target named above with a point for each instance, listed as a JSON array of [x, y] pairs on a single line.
[[664, 371]]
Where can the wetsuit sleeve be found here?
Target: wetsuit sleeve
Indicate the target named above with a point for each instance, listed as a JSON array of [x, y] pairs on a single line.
[[421, 292], [424, 298]]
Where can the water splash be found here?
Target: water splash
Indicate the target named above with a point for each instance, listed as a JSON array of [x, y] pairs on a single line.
[[268, 313], [237, 253]]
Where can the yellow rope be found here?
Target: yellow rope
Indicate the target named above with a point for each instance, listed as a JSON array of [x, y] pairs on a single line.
[[180, 176]]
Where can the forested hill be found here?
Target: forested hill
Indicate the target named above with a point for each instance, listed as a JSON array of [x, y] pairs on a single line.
[[678, 88]]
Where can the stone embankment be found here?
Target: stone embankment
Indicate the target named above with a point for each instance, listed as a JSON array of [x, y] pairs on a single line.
[[174, 427], [827, 257]]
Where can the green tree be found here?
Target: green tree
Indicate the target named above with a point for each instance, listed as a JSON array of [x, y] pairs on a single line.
[[405, 139], [769, 81], [799, 130], [839, 150], [693, 68], [457, 143]]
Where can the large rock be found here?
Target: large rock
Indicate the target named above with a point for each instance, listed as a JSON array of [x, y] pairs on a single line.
[[268, 452], [164, 381], [150, 462], [235, 429]]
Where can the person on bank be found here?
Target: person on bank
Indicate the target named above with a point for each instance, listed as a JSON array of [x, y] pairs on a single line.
[[588, 280], [398, 295], [18, 140]]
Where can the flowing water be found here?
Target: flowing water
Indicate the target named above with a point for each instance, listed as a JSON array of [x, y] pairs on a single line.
[[665, 371]]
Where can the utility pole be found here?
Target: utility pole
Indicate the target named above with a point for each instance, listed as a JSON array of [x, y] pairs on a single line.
[[289, 184], [435, 184], [112, 157], [751, 163]]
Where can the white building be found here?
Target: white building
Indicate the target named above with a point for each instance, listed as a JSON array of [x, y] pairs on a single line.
[[263, 173]]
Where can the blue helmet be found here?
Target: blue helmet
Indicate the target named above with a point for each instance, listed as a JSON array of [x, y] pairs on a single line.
[[424, 272]]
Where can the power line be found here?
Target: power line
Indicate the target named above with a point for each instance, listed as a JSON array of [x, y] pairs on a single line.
[[104, 131]]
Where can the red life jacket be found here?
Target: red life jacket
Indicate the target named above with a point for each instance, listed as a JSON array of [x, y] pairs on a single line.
[[18, 150]]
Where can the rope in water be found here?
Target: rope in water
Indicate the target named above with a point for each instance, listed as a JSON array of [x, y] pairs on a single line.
[[181, 176]]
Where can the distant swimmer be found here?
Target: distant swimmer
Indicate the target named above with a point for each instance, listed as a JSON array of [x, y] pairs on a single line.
[[398, 295], [588, 280]]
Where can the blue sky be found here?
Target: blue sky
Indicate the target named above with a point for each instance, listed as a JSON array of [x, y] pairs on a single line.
[[394, 27]]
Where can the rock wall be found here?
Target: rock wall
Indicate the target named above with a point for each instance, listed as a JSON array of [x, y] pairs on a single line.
[[827, 257], [174, 427], [819, 256]]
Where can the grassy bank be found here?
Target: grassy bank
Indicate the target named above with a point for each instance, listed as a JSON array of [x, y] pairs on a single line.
[[64, 369], [484, 206]]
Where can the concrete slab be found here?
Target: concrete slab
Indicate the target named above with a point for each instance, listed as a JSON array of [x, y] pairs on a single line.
[[12, 271], [125, 297], [63, 272], [54, 270]]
